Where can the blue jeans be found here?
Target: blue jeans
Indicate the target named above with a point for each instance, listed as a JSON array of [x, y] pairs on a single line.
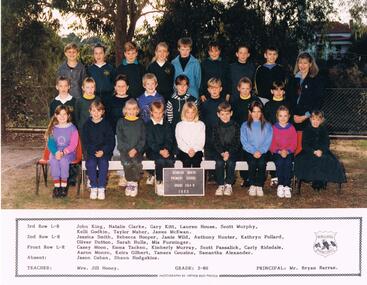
[[284, 168]]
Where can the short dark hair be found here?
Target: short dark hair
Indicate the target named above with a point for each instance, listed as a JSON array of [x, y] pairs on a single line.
[[244, 80], [271, 48], [214, 44], [63, 78], [156, 105], [224, 106], [278, 84], [181, 78], [122, 77], [99, 45], [244, 45]]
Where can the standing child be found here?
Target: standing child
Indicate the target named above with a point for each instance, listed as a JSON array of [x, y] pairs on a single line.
[[103, 73], [62, 140], [256, 136], [185, 63], [99, 141], [226, 138], [283, 145], [159, 143], [178, 99], [73, 70], [63, 98], [163, 70], [243, 67], [149, 96], [190, 136], [130, 132], [132, 69], [316, 162], [267, 73], [214, 66]]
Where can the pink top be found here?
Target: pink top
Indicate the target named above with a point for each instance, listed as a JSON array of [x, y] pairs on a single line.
[[283, 138]]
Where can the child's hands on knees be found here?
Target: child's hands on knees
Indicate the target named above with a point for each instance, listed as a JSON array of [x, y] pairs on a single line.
[[318, 153], [191, 152], [257, 154], [99, 153], [164, 153], [132, 153], [59, 155]]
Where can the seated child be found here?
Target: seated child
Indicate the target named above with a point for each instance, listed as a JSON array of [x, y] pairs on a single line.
[[159, 143], [190, 136], [256, 136], [99, 141], [283, 145], [150, 95], [316, 162], [130, 133], [62, 140], [226, 139], [63, 98]]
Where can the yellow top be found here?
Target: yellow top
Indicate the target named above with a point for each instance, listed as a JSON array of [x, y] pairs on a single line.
[[277, 99], [131, 118], [245, 98], [89, 97]]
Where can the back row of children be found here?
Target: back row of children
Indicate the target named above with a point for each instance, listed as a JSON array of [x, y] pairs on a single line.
[[209, 111]]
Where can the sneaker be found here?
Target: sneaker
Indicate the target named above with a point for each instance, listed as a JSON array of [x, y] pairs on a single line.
[[287, 192], [259, 191], [93, 193], [274, 182], [150, 180], [122, 182], [134, 189], [88, 183], [228, 190], [252, 190], [280, 191], [128, 188], [101, 193], [219, 191], [159, 188]]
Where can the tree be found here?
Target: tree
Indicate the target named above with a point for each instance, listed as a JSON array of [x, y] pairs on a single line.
[[116, 18]]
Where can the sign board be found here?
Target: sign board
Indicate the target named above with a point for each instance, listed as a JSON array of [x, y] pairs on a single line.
[[183, 181]]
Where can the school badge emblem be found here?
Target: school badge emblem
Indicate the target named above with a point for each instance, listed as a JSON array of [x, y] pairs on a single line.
[[325, 243], [106, 73]]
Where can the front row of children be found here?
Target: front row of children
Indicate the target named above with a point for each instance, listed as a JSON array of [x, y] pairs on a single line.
[[256, 137]]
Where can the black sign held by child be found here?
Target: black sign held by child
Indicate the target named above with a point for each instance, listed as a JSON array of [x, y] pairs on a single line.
[[183, 181]]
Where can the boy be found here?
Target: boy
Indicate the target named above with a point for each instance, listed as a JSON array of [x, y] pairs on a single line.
[[267, 73], [214, 66], [73, 70], [103, 73], [278, 99], [132, 69], [226, 140], [188, 65], [178, 99], [241, 68], [210, 118], [149, 96], [159, 143], [63, 98]]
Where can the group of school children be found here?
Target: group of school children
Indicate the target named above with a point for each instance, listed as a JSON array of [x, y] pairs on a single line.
[[187, 111]]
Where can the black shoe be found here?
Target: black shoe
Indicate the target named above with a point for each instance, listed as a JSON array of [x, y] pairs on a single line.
[[245, 184], [56, 192], [63, 191]]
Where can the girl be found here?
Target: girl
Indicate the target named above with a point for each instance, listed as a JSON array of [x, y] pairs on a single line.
[[306, 93], [130, 133], [190, 136], [283, 145], [62, 139], [163, 70], [316, 163], [99, 142], [256, 135]]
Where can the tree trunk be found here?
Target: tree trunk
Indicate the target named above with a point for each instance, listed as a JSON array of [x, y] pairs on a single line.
[[120, 29]]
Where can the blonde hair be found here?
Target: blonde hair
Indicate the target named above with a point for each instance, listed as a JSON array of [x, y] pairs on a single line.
[[131, 102], [214, 81], [88, 80], [149, 76], [53, 122], [282, 108], [187, 106], [318, 114], [160, 44], [98, 105], [314, 69], [71, 46]]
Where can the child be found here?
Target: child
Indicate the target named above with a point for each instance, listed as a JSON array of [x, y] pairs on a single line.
[[239, 69], [283, 145], [63, 98], [150, 95], [103, 73], [256, 136], [278, 99], [163, 70], [159, 142], [132, 69], [214, 66], [73, 70], [130, 132], [188, 65], [62, 139], [267, 73], [316, 162], [99, 141], [226, 138], [117, 102], [210, 118], [82, 104], [178, 99], [190, 136]]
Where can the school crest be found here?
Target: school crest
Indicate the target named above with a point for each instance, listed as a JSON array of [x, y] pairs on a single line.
[[106, 73], [325, 243], [167, 70]]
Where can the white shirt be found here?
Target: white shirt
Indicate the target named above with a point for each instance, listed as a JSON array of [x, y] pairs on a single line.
[[190, 135]]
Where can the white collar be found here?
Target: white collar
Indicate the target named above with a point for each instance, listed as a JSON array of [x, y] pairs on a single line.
[[146, 94], [100, 65], [161, 63], [68, 98], [157, 123]]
